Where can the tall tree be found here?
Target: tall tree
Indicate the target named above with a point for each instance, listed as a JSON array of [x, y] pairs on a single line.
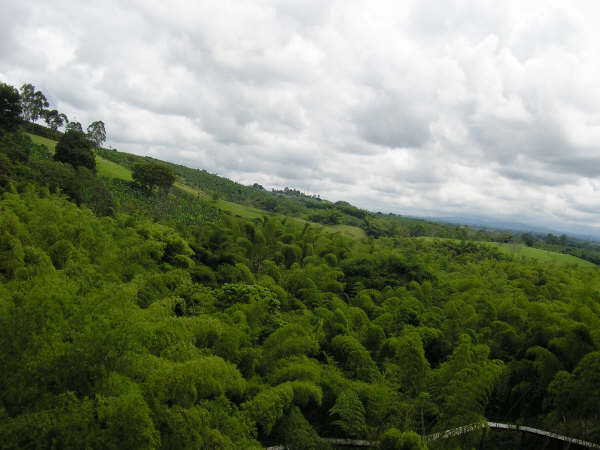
[[96, 133], [75, 149], [76, 126], [10, 107], [351, 414], [54, 119], [149, 174], [33, 102]]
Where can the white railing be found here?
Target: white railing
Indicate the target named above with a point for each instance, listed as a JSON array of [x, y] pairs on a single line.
[[458, 431], [507, 426]]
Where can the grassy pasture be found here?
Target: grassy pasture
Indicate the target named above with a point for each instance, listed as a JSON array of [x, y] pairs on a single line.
[[49, 143], [105, 167], [560, 259], [348, 230], [521, 250], [110, 169]]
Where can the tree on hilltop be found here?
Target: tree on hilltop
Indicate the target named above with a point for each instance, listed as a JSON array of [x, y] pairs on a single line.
[[33, 103], [74, 148], [528, 239], [96, 133], [150, 174], [76, 126], [54, 119], [10, 107]]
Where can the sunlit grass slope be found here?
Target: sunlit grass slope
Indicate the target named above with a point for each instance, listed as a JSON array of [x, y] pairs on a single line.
[[250, 212], [542, 255], [110, 169], [104, 167], [521, 250], [49, 143]]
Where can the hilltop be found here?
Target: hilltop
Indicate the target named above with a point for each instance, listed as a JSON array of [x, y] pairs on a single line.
[[254, 202]]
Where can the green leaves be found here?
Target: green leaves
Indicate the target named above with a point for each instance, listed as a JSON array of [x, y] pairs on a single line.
[[354, 358], [195, 329], [576, 396], [394, 439], [269, 406], [10, 108], [33, 102], [464, 384], [75, 149], [151, 174], [185, 384], [407, 366], [291, 340], [350, 414], [96, 133]]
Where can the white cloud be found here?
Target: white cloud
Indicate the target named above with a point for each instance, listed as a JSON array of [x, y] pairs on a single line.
[[461, 107]]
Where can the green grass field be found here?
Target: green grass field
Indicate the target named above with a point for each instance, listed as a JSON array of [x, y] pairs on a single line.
[[189, 189], [348, 230], [49, 143], [110, 169], [105, 167], [560, 259], [235, 209], [521, 250]]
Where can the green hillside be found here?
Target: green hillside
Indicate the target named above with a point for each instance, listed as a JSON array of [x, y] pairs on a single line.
[[48, 143], [522, 251], [543, 255], [110, 169], [105, 167], [216, 315], [113, 170]]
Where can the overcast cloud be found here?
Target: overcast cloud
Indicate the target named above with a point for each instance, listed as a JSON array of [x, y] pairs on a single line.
[[431, 108]]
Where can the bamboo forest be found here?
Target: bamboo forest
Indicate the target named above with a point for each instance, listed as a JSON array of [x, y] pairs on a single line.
[[148, 305]]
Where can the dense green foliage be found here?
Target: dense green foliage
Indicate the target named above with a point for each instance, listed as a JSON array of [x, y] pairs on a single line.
[[23, 163], [74, 148], [292, 202], [151, 174], [55, 119], [10, 108], [48, 133], [139, 319], [176, 208], [33, 103], [96, 133]]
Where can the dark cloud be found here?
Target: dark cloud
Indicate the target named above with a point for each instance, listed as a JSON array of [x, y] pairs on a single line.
[[525, 173], [393, 122]]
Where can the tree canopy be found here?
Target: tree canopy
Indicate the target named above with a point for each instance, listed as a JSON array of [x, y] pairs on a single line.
[[75, 149], [136, 319], [10, 108], [33, 102], [74, 126], [96, 133], [150, 174], [54, 119]]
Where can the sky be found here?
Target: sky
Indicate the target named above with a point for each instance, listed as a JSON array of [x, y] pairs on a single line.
[[450, 108]]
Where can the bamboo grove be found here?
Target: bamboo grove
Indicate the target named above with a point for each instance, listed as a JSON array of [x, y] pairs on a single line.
[[133, 319]]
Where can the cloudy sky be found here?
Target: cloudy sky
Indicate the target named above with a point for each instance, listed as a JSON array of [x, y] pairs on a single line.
[[430, 108]]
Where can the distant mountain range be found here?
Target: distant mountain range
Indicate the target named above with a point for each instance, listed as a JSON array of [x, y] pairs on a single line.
[[514, 226]]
